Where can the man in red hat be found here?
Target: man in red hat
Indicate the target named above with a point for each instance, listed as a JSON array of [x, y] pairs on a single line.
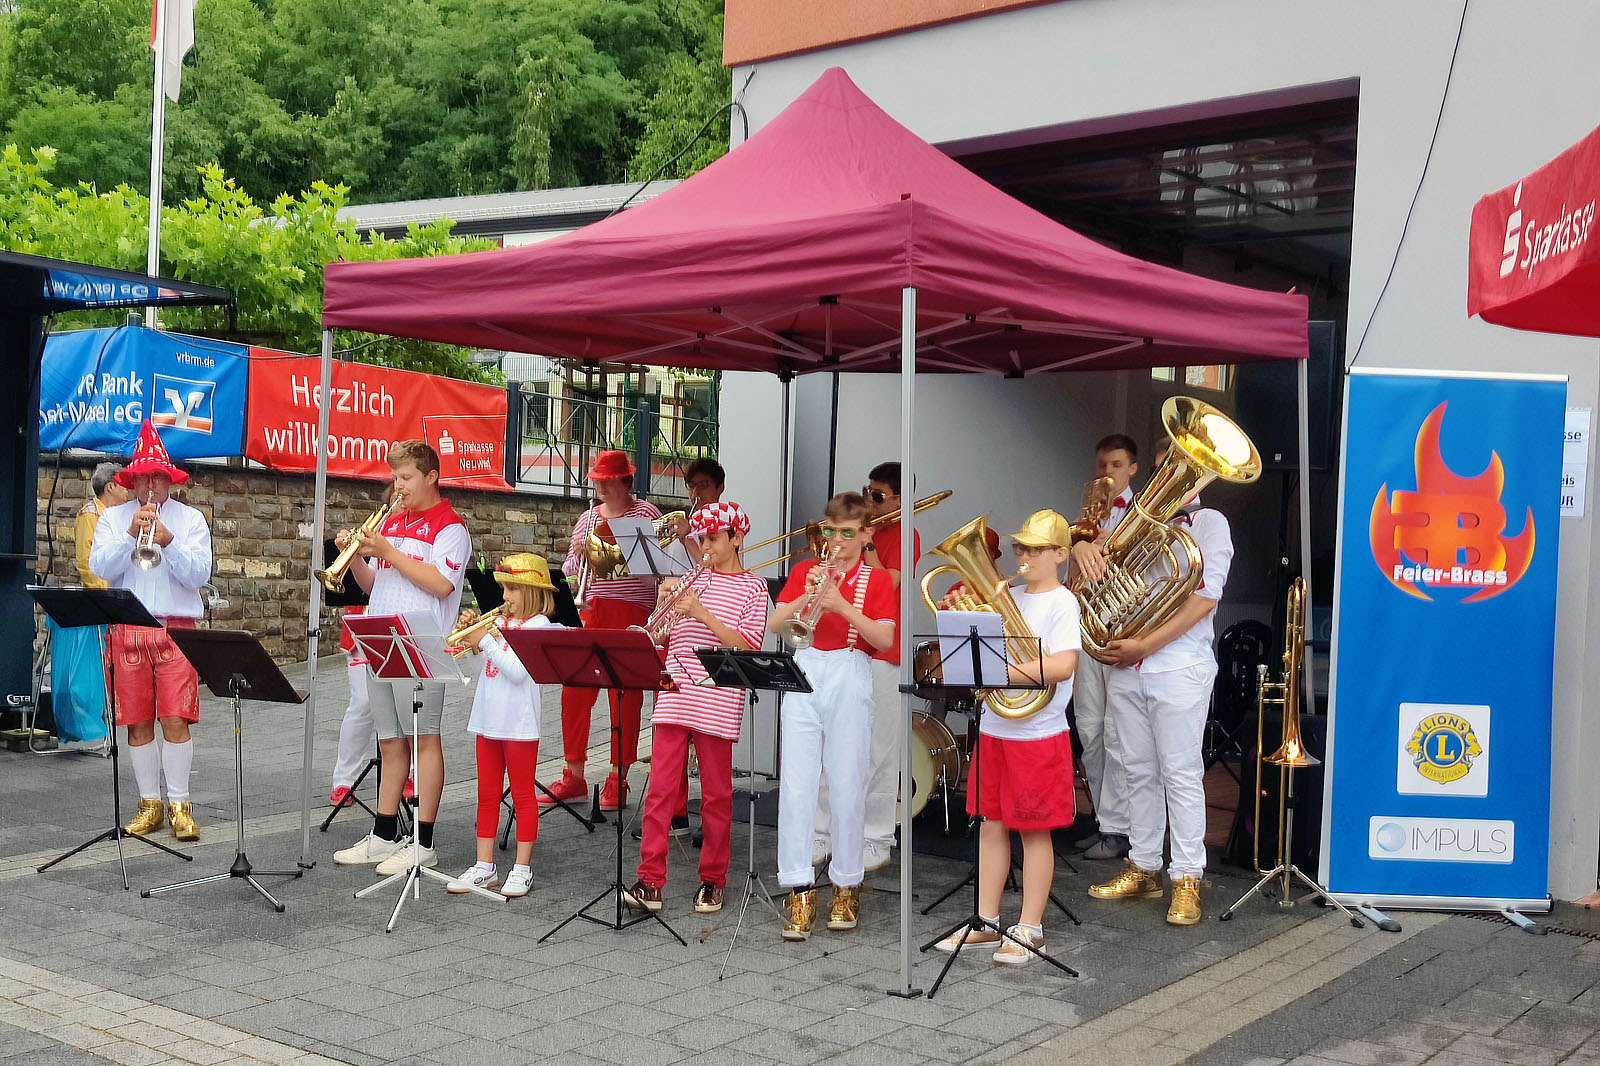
[[154, 682], [612, 604]]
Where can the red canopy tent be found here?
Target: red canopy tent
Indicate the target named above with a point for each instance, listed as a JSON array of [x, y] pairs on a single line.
[[1534, 261], [834, 239]]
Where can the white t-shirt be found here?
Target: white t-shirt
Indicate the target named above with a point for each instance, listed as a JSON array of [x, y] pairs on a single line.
[[1053, 618], [507, 704], [437, 537], [1212, 536]]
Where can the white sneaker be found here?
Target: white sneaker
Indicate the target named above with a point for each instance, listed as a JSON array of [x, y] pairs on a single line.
[[518, 882], [474, 877], [875, 856], [366, 851], [821, 850], [400, 861]]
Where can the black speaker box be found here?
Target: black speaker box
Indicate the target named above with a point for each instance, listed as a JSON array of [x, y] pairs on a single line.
[[1307, 809], [1266, 403]]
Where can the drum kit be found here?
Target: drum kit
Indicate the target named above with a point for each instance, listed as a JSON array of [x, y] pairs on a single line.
[[938, 756]]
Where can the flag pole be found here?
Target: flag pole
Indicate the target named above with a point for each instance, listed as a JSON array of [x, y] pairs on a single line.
[[158, 124]]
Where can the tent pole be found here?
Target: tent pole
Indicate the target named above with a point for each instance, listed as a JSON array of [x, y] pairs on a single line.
[[908, 581], [314, 609], [784, 429], [1307, 690]]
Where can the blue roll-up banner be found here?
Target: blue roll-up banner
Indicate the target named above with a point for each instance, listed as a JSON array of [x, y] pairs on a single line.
[[97, 385], [1438, 769]]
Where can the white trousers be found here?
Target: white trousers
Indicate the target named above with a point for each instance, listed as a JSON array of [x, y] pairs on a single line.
[[355, 731], [1160, 719], [1102, 749], [883, 766], [828, 729]]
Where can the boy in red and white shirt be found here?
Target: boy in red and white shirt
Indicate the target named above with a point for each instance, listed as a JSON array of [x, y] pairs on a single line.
[[726, 608], [829, 728], [418, 559], [613, 604]]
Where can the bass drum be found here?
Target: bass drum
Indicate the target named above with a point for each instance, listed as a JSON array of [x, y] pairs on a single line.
[[933, 750]]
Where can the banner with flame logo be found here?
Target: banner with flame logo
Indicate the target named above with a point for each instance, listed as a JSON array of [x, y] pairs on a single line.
[[1444, 615]]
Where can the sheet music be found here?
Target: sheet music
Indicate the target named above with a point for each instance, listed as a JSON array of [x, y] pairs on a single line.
[[644, 553], [955, 647]]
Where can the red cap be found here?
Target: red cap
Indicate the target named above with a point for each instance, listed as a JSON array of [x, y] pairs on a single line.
[[609, 465], [149, 457]]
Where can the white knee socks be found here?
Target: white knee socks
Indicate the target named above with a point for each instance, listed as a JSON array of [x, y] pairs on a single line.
[[175, 762], [146, 759]]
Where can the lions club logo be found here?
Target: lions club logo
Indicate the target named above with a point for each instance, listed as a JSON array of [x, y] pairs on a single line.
[[1450, 531], [1442, 747]]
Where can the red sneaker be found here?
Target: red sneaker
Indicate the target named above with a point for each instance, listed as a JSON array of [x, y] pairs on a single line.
[[409, 793], [339, 797], [609, 799], [570, 789]]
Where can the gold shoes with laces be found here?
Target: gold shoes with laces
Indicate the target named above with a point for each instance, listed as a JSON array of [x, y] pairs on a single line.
[[802, 910], [181, 817], [845, 907], [150, 817], [1131, 883], [1185, 908]]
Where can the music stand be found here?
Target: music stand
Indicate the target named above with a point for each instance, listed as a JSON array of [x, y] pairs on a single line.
[[754, 671], [395, 651], [72, 607], [614, 659], [966, 658], [234, 665]]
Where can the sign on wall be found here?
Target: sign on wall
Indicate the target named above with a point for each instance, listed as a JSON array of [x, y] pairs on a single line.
[[97, 385], [1438, 775], [370, 408]]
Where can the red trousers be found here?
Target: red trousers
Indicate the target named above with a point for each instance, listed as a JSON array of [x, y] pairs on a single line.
[[577, 703], [669, 754], [151, 677], [497, 758]]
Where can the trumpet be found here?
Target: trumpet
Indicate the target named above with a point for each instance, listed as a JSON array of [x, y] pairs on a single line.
[[800, 628], [456, 641], [146, 552], [813, 530], [333, 577], [668, 611]]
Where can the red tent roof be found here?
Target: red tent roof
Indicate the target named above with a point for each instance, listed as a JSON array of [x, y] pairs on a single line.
[[791, 252], [1534, 262]]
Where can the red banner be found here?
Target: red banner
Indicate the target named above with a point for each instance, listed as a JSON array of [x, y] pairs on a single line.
[[372, 407]]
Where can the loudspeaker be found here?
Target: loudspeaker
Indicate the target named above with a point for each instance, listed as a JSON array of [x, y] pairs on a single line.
[[1266, 396], [1307, 809]]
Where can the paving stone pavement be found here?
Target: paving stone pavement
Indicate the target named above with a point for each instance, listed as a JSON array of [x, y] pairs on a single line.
[[90, 973]]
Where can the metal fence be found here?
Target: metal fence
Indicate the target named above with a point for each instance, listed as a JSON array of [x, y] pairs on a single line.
[[560, 435]]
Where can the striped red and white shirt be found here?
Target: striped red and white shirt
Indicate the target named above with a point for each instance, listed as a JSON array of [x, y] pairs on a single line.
[[739, 601], [635, 590]]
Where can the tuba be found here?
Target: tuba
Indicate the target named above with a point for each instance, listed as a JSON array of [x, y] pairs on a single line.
[[968, 553], [1152, 568]]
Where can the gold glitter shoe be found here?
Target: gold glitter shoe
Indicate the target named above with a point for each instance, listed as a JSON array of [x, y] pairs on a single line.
[[1131, 883], [1185, 909], [150, 817], [181, 816], [845, 907], [802, 908]]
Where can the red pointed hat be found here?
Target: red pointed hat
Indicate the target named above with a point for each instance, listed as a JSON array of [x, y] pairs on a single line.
[[609, 465], [149, 457]]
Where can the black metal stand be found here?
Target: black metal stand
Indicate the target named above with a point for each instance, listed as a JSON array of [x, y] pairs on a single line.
[[354, 800], [556, 801], [74, 607], [754, 887]]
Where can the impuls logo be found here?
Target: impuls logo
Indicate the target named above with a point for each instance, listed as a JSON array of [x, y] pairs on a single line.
[[1477, 840]]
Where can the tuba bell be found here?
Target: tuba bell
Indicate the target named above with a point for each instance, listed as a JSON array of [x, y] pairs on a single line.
[[1152, 568], [967, 550]]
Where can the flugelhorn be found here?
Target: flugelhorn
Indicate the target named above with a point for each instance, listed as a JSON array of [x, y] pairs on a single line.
[[146, 552], [456, 641], [813, 530], [665, 616], [333, 577]]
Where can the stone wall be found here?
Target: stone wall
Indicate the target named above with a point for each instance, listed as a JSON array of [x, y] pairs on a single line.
[[261, 529]]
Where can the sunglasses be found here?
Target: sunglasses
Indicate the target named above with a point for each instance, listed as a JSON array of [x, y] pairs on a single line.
[[829, 532], [874, 495]]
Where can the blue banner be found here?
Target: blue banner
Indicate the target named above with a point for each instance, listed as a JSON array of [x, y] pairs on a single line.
[[1438, 775], [97, 385]]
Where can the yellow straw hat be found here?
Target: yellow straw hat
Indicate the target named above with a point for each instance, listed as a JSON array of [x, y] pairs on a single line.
[[524, 568]]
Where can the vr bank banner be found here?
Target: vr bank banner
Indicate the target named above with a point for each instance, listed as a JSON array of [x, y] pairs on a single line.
[[97, 385], [1438, 776]]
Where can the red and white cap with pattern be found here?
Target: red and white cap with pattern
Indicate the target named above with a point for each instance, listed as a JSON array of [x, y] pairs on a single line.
[[149, 457], [715, 516]]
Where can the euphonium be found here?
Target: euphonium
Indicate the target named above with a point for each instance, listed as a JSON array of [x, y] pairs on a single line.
[[1097, 497], [1291, 753], [967, 550], [146, 552], [333, 577], [1151, 567], [799, 630], [482, 624], [603, 560], [665, 616]]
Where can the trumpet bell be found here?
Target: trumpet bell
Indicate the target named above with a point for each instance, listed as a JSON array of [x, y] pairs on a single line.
[[797, 633]]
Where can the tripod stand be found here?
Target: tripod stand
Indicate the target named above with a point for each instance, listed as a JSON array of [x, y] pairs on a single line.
[[555, 800], [72, 607], [615, 659], [234, 664], [354, 800]]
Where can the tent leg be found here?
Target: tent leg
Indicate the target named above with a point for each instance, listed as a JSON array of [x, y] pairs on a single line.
[[1308, 695], [314, 608], [908, 481]]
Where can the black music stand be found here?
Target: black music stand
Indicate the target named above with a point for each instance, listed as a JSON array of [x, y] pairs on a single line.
[[755, 671], [72, 607], [614, 659], [977, 646], [235, 666]]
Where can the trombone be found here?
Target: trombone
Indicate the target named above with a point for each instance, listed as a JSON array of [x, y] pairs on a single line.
[[146, 552], [333, 577], [813, 530]]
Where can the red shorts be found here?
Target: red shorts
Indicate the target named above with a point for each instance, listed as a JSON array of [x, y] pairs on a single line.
[[1023, 784], [152, 679]]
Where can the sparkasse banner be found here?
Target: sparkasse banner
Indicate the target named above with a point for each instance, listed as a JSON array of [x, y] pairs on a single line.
[[370, 407], [1438, 767]]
